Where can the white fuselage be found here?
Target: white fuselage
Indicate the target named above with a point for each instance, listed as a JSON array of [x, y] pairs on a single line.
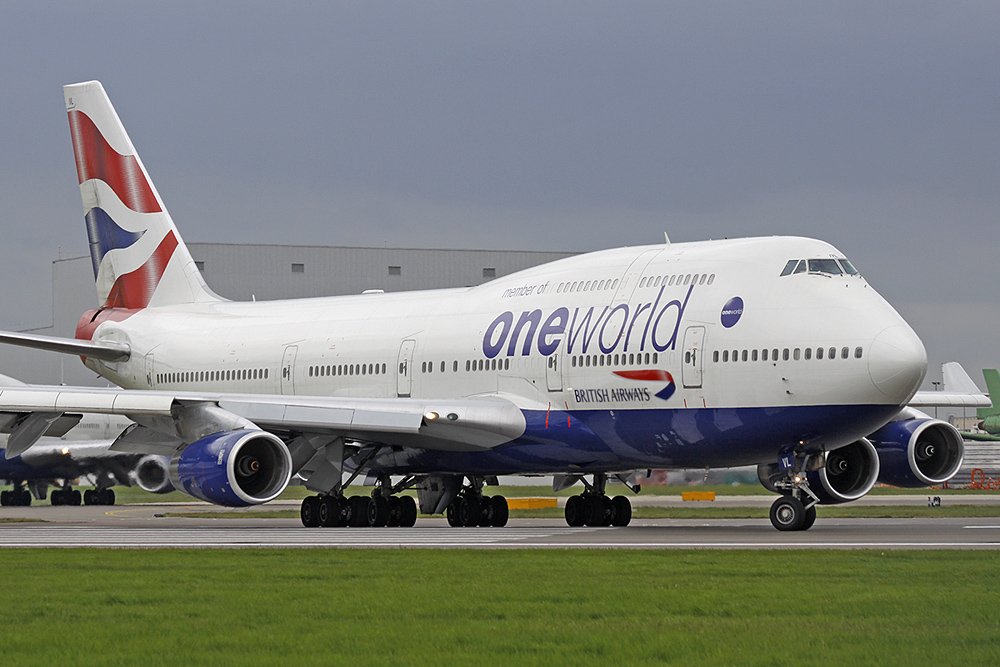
[[606, 331]]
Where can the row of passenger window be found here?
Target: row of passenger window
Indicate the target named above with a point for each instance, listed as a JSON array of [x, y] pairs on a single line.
[[679, 279], [587, 285], [794, 354], [831, 267], [212, 376], [589, 360], [346, 369]]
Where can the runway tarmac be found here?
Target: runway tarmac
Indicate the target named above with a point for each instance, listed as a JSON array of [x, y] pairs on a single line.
[[138, 526]]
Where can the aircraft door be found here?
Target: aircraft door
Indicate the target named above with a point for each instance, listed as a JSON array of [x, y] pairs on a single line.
[[691, 370], [149, 370], [288, 370], [404, 376], [553, 370]]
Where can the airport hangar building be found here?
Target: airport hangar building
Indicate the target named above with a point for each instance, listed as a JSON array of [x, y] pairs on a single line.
[[243, 272]]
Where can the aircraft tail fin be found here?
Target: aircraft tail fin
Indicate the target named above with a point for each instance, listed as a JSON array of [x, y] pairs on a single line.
[[139, 258], [992, 377]]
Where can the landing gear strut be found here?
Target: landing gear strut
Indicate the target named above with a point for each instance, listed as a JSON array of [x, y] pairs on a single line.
[[594, 508], [471, 508]]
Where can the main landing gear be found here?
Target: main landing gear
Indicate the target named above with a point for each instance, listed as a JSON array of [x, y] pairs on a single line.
[[382, 508], [98, 497], [471, 508], [594, 508], [19, 496]]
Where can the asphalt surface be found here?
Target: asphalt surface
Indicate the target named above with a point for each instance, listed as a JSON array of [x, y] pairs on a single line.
[[148, 526]]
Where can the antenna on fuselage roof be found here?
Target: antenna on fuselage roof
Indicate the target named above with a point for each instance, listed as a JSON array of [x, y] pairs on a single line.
[[666, 238]]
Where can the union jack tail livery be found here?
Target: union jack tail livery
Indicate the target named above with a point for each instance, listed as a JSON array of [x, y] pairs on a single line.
[[139, 258]]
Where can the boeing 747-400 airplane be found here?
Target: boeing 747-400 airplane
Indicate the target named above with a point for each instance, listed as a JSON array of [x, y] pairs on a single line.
[[767, 351]]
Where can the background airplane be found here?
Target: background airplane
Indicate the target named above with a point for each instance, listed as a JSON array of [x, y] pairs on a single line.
[[768, 351], [81, 451]]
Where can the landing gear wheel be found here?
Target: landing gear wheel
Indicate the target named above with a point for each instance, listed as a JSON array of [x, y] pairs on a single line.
[[575, 511], [787, 513], [407, 511], [88, 497], [74, 497], [468, 511], [621, 513], [452, 514], [309, 513], [56, 497], [394, 511], [5, 498], [500, 511], [809, 519], [24, 498], [109, 497], [600, 510], [378, 511], [486, 512], [359, 511]]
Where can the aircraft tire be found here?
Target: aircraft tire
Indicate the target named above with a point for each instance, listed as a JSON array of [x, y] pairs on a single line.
[[486, 512], [787, 513], [575, 511], [378, 511], [75, 497], [622, 511], [468, 511], [359, 511], [88, 497], [109, 496], [309, 513], [809, 519], [407, 511], [24, 498], [5, 498], [395, 511], [501, 512], [452, 514]]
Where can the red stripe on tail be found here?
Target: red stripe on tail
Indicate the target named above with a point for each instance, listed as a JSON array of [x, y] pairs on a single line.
[[95, 158], [135, 289]]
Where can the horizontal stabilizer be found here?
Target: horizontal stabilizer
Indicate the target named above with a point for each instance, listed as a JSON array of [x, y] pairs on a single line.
[[103, 350]]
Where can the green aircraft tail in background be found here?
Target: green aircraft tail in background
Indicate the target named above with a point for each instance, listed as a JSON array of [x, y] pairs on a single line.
[[991, 416]]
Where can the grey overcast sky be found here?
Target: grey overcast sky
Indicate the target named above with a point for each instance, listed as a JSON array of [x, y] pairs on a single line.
[[555, 126]]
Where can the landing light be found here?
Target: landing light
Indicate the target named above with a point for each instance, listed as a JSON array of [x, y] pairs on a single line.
[[430, 416], [65, 451]]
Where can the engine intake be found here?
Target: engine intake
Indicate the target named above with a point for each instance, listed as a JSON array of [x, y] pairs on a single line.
[[152, 474], [918, 452], [848, 473], [233, 468]]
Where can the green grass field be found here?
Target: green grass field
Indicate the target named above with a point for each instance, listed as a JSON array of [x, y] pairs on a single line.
[[417, 607]]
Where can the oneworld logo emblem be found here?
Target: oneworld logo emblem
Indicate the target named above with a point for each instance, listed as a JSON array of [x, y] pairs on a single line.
[[732, 311]]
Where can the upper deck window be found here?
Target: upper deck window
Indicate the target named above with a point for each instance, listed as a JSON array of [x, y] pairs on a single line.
[[828, 266]]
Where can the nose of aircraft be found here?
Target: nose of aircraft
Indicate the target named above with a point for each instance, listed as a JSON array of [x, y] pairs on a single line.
[[897, 362]]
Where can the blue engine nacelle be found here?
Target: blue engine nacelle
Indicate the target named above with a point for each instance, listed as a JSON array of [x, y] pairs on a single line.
[[918, 452], [847, 473], [233, 468]]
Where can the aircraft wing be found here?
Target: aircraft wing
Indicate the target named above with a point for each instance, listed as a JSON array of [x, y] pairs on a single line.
[[959, 391], [171, 419]]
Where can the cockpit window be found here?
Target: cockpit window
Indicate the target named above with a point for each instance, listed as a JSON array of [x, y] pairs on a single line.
[[825, 266], [789, 267], [848, 268], [801, 268]]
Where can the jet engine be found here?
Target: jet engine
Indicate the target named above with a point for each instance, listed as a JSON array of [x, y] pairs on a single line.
[[152, 474], [918, 452], [848, 473], [233, 468]]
